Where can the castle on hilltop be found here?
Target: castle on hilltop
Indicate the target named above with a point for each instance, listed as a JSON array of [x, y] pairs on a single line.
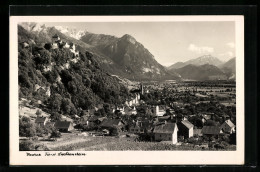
[[58, 43]]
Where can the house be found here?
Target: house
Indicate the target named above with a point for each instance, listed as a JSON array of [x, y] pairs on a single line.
[[141, 127], [50, 124], [76, 53], [65, 118], [129, 103], [66, 45], [89, 112], [72, 46], [163, 118], [55, 38], [102, 118], [91, 120], [205, 117], [83, 119], [166, 132], [120, 109], [25, 45], [135, 128], [64, 126], [211, 130], [197, 132], [54, 46], [130, 111], [185, 129], [41, 121], [177, 104], [133, 100], [159, 111], [112, 123], [228, 127], [48, 92], [179, 117]]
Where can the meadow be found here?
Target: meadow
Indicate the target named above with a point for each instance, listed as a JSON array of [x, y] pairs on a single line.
[[79, 142]]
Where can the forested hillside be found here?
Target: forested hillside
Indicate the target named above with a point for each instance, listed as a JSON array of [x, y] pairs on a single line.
[[58, 80]]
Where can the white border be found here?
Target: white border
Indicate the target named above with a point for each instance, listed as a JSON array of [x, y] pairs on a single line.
[[128, 157]]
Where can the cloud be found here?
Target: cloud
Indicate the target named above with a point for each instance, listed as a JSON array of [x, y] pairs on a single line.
[[200, 50], [227, 54], [231, 44]]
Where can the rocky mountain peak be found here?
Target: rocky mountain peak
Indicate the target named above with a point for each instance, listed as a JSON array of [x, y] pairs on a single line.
[[71, 32], [128, 38], [32, 26]]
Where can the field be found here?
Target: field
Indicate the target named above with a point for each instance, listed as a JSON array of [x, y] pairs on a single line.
[[31, 112], [79, 142]]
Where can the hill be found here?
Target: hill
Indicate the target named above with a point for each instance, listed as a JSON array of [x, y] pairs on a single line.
[[176, 65], [229, 68], [202, 72], [205, 59], [58, 79]]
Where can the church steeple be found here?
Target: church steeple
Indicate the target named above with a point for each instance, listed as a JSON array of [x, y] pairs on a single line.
[[142, 88]]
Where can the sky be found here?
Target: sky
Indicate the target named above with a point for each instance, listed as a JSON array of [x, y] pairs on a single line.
[[171, 42]]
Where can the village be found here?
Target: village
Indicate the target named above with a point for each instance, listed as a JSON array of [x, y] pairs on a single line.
[[173, 114], [194, 115]]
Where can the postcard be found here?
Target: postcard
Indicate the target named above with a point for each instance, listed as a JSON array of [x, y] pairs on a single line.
[[127, 90]]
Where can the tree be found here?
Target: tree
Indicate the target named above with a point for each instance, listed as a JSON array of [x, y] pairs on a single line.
[[55, 134], [26, 146], [26, 127], [55, 102], [55, 116], [39, 130], [43, 58], [38, 112], [68, 107]]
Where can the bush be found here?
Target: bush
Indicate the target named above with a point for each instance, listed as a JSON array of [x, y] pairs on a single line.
[[39, 131], [38, 112], [144, 137], [41, 148], [219, 146], [26, 127], [35, 138], [26, 146], [225, 138], [55, 134]]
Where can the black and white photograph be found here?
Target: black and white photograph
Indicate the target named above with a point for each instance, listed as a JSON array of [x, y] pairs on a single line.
[[136, 85]]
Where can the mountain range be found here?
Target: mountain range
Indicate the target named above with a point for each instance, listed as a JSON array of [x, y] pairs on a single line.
[[205, 59], [126, 57], [229, 68], [201, 72], [204, 68]]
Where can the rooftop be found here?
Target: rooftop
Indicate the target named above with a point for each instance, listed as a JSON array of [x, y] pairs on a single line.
[[210, 130], [40, 119], [165, 128], [62, 124], [187, 124]]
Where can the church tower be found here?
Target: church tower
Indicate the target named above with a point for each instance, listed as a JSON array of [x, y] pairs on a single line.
[[142, 88]]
